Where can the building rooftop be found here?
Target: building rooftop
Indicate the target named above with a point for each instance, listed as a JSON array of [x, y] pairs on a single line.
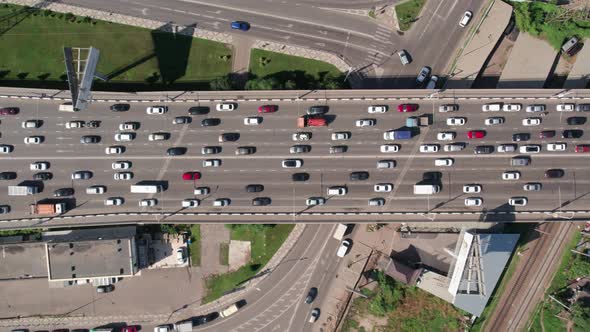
[[22, 260]]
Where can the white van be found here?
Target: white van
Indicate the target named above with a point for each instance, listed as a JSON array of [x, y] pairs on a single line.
[[96, 190], [491, 107], [337, 191], [67, 107]]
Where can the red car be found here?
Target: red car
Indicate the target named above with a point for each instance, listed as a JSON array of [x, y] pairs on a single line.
[[582, 148], [191, 175], [129, 329], [407, 107], [268, 109], [9, 110], [476, 134], [547, 134]]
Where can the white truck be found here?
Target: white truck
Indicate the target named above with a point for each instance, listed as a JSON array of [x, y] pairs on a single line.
[[232, 309], [67, 107], [145, 189], [426, 189], [22, 190], [340, 231]]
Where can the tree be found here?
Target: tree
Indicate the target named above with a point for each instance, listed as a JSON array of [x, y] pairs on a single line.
[[222, 83]]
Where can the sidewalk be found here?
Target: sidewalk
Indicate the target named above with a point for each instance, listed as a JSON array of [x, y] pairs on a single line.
[[212, 236]]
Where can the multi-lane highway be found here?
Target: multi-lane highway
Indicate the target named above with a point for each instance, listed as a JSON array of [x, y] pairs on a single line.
[[273, 140]]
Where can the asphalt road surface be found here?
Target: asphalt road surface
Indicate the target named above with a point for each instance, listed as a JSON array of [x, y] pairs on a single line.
[[272, 140], [368, 46]]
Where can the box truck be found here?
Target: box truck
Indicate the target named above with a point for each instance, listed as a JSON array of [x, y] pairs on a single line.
[[392, 135], [340, 231], [22, 190], [311, 121], [426, 189], [48, 208], [145, 189]]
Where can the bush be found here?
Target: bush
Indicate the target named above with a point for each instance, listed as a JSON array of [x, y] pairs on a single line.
[[387, 298]]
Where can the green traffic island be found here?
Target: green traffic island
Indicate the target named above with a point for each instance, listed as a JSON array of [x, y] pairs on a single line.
[[408, 12]]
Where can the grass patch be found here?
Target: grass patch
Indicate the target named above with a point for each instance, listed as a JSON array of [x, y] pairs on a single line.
[[372, 14], [127, 54], [550, 22], [526, 230], [195, 246], [224, 254], [407, 13], [280, 71], [265, 241]]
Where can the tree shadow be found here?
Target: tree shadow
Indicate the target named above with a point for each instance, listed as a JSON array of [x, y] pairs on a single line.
[[172, 51]]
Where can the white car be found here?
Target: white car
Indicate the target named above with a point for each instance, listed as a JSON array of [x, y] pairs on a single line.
[[123, 176], [518, 201], [225, 107], [456, 121], [39, 166], [114, 150], [74, 124], [494, 121], [313, 201], [146, 202], [535, 108], [337, 191], [377, 109], [124, 137], [511, 107], [128, 126], [96, 190], [389, 148], [180, 255], [556, 146], [472, 188], [444, 162], [162, 328], [114, 201], [511, 175], [202, 191], [454, 147], [252, 121], [31, 124], [506, 147], [383, 187], [429, 148], [212, 163], [365, 123], [465, 19], [301, 136], [565, 107], [292, 163], [156, 109], [158, 136], [531, 122], [377, 201], [532, 186], [33, 140], [5, 148], [341, 136], [344, 247], [446, 136], [190, 203], [221, 202], [473, 201], [530, 148], [121, 165], [448, 108]]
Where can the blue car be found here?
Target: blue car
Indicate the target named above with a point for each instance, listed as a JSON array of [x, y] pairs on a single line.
[[240, 25]]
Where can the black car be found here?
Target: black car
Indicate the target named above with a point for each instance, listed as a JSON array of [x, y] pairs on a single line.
[[520, 137], [176, 151], [210, 122], [63, 192], [313, 292], [576, 120], [4, 209], [90, 139], [182, 120], [554, 173], [300, 148], [359, 176], [254, 188], [583, 108], [229, 137], [43, 176], [9, 110], [300, 177], [338, 149], [318, 110], [200, 320], [7, 175], [92, 124], [198, 110], [245, 150], [261, 201], [120, 107], [211, 150], [572, 133], [483, 149]]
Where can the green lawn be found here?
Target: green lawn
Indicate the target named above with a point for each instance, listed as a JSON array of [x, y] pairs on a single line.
[[264, 243], [408, 12], [195, 247], [33, 50], [277, 62]]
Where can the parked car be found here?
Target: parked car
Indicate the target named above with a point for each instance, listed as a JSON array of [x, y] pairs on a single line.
[[105, 289], [465, 19], [404, 57], [180, 255], [422, 75], [432, 83], [344, 247]]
